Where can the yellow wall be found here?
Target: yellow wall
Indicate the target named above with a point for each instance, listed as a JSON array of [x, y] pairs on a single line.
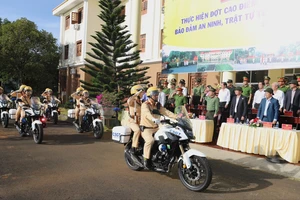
[[274, 74], [213, 79], [93, 23], [154, 68]]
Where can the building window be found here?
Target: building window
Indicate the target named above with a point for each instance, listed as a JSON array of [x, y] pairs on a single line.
[[143, 42], [80, 15], [67, 21], [77, 16], [66, 51], [78, 48], [254, 77], [289, 73], [144, 6], [123, 11]]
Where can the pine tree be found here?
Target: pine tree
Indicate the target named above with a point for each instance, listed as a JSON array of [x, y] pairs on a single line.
[[115, 68]]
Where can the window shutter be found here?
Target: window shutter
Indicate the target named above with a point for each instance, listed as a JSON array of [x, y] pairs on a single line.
[[74, 17]]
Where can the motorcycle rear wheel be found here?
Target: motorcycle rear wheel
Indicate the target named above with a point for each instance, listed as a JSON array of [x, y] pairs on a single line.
[[198, 177], [130, 163], [5, 120], [38, 134]]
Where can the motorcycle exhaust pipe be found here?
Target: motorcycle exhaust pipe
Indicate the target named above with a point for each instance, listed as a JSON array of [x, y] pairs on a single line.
[[76, 125], [18, 128], [133, 159]]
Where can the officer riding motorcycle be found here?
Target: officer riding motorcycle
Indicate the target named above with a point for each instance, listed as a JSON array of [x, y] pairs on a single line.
[[77, 96], [18, 93], [5, 103], [150, 121], [134, 103]]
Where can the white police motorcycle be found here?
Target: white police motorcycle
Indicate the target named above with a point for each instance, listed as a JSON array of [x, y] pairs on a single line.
[[52, 110], [92, 119], [31, 124], [4, 116], [171, 146]]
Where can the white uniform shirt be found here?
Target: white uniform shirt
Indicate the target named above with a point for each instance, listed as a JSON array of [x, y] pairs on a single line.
[[184, 91], [258, 96], [279, 95], [162, 98], [236, 103], [268, 101], [224, 95]]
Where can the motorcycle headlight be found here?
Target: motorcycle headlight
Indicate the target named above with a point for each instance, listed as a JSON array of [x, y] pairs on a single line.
[[37, 112], [190, 135]]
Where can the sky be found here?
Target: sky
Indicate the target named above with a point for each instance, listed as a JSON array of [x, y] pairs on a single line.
[[38, 11]]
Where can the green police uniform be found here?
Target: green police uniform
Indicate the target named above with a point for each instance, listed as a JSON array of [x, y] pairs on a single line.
[[199, 91], [212, 107], [284, 88], [267, 86], [166, 91], [179, 101], [247, 90]]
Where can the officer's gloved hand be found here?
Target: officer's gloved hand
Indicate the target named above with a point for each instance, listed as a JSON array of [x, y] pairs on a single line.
[[156, 121]]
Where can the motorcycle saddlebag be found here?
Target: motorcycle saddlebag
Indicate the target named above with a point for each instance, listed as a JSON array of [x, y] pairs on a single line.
[[71, 113], [121, 134], [12, 113]]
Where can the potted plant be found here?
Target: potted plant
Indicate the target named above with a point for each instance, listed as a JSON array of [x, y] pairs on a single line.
[[108, 101]]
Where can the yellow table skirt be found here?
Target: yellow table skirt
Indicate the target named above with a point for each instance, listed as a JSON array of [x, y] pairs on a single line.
[[203, 130], [262, 141]]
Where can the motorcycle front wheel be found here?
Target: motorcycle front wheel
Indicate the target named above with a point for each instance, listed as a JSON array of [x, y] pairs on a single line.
[[5, 120], [38, 134], [55, 117], [98, 130], [198, 177]]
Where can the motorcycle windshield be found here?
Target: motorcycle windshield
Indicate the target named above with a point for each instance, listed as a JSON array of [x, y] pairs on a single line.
[[53, 100], [96, 105], [3, 102], [35, 103], [183, 118]]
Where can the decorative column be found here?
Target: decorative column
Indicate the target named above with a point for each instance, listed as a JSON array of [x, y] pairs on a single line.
[[73, 82], [68, 85], [170, 77], [136, 22], [228, 75]]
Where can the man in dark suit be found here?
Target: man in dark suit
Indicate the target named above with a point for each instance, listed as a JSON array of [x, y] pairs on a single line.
[[239, 106], [268, 110], [292, 99]]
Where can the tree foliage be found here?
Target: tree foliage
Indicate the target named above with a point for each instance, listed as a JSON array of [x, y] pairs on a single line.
[[114, 61], [28, 55]]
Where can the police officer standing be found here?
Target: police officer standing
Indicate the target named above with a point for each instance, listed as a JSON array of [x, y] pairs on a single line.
[[231, 88], [267, 82], [282, 86], [150, 121], [198, 92], [212, 107], [247, 90], [212, 104]]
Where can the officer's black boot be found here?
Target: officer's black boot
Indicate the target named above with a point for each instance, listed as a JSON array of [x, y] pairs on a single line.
[[132, 151], [147, 164]]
